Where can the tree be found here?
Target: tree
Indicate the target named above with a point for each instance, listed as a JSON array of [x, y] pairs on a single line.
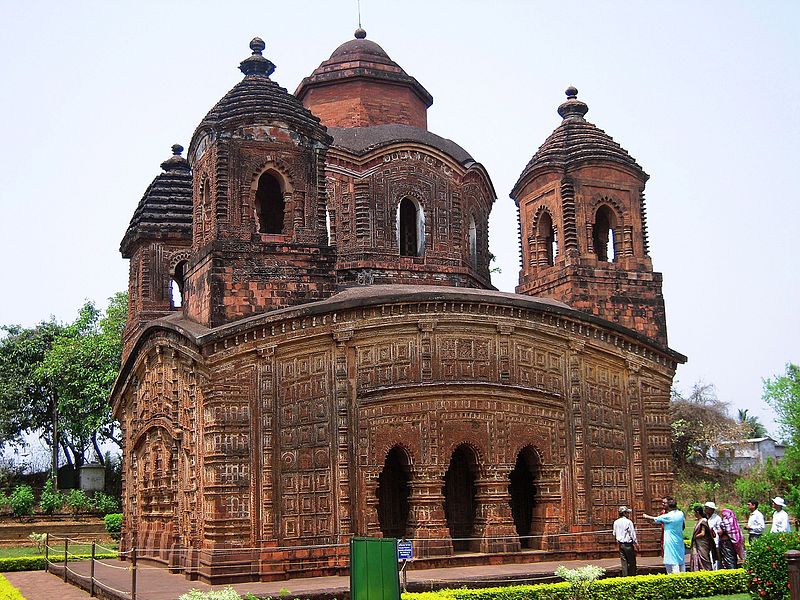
[[698, 422], [27, 396], [782, 393], [750, 424], [72, 367], [83, 363]]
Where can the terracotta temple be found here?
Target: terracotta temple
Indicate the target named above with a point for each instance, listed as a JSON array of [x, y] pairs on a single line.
[[315, 350]]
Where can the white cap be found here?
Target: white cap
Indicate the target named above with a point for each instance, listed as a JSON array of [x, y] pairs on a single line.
[[779, 501], [710, 505]]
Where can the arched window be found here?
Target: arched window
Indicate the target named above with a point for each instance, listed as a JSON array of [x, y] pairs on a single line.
[[548, 245], [603, 239], [270, 205], [177, 285], [205, 201], [410, 228], [473, 244]]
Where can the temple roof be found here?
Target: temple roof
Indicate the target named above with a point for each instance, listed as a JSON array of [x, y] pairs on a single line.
[[257, 99], [576, 141], [361, 140], [361, 58], [166, 207]]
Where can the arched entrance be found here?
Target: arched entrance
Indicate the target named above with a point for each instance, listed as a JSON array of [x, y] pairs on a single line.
[[522, 490], [393, 492], [459, 496]]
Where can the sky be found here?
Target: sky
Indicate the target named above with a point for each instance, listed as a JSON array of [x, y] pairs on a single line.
[[705, 96]]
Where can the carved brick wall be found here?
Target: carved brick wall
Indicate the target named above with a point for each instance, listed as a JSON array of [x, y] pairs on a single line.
[[363, 198], [625, 290], [236, 271], [299, 413]]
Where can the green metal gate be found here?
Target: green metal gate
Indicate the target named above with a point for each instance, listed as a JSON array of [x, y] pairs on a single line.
[[373, 569]]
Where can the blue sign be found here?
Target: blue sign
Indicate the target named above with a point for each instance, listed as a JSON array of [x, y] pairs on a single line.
[[405, 550]]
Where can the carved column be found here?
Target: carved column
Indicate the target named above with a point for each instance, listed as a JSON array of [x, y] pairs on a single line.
[[427, 524], [504, 353], [266, 443], [578, 417], [494, 523], [343, 428]]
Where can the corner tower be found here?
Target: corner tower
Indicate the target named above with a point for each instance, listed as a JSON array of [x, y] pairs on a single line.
[[583, 226], [259, 234], [158, 243]]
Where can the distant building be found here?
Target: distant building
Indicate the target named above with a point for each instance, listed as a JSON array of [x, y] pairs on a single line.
[[738, 456]]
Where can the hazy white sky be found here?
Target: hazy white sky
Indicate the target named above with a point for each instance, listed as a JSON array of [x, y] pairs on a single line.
[[703, 94]]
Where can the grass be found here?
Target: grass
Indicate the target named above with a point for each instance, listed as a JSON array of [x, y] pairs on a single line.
[[56, 549]]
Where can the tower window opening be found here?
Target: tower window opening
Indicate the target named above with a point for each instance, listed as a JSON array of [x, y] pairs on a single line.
[[270, 204], [177, 285], [603, 235], [410, 228], [548, 240], [205, 199], [473, 244], [328, 226]]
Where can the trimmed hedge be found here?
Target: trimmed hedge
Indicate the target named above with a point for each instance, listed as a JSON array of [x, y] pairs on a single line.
[[8, 591], [641, 587], [36, 563]]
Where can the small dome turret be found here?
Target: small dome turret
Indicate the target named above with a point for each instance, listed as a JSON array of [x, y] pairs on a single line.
[[165, 210], [257, 100], [576, 141]]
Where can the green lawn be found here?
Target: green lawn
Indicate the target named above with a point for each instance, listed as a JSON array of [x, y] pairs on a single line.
[[56, 549]]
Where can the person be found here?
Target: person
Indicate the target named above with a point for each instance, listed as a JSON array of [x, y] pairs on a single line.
[[625, 533], [674, 550], [704, 551], [755, 523], [730, 540], [714, 522], [780, 519]]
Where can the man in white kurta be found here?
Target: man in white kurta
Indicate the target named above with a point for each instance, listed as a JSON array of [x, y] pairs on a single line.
[[780, 519]]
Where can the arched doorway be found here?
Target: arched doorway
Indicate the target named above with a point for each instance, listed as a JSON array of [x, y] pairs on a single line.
[[522, 490], [393, 492], [459, 496]]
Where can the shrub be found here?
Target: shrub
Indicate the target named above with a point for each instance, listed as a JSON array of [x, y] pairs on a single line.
[[51, 500], [8, 591], [767, 571], [225, 594], [580, 580], [40, 539], [5, 502], [113, 523], [105, 504], [22, 500], [78, 501], [641, 587]]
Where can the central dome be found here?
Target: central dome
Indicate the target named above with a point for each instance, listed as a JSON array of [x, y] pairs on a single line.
[[361, 47], [360, 86]]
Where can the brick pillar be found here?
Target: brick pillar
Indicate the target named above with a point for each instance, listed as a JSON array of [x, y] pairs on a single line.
[[494, 523], [793, 559], [426, 518]]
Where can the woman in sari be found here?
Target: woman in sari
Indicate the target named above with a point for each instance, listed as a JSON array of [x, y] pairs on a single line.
[[731, 542], [703, 547]]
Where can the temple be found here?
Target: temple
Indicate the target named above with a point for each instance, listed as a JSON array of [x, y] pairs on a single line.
[[315, 351]]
